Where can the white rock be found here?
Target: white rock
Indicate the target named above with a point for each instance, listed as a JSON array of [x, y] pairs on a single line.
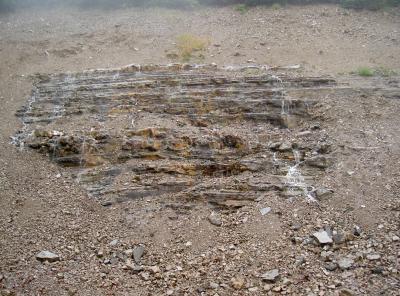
[[47, 256], [323, 237]]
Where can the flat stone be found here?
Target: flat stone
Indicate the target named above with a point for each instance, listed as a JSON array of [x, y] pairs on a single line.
[[265, 211], [271, 276], [323, 193], [47, 256], [138, 253], [373, 257], [323, 237], [345, 263]]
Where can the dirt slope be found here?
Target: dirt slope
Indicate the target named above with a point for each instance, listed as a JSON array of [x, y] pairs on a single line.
[[43, 208]]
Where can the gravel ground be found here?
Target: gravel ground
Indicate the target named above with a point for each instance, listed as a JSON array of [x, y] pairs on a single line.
[[42, 207]]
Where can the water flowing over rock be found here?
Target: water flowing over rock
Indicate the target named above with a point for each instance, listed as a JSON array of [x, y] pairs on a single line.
[[185, 131]]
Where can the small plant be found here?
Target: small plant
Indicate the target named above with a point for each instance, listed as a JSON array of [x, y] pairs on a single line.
[[365, 72], [242, 8], [187, 44]]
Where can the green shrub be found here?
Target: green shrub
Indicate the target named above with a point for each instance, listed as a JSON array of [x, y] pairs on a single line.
[[365, 72]]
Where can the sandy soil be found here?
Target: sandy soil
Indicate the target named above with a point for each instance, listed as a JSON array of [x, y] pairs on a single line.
[[42, 208]]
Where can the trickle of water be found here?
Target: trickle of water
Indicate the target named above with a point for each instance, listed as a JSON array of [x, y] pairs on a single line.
[[17, 140], [295, 180]]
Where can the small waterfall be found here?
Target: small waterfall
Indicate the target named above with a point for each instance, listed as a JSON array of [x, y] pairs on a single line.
[[295, 181], [18, 140], [81, 160]]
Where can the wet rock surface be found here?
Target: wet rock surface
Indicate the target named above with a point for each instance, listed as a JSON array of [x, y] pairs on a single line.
[[198, 132]]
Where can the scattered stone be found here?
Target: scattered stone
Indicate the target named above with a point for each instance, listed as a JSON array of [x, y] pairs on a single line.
[[100, 253], [214, 219], [214, 285], [373, 257], [323, 193], [113, 243], [138, 253], [331, 266], [295, 226], [47, 256], [155, 269], [318, 161], [323, 237], [357, 230], [378, 270], [271, 276], [345, 263], [237, 283], [346, 292], [339, 238], [145, 276], [265, 211]]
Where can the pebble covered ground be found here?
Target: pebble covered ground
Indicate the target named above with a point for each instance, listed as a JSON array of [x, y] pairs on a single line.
[[56, 240]]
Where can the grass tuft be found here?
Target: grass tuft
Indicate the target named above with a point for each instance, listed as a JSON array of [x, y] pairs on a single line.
[[242, 8], [188, 44], [365, 72]]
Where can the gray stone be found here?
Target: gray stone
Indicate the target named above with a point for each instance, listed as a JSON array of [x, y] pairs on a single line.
[[373, 257], [214, 220], [47, 256], [271, 276], [345, 263], [318, 161], [357, 230], [323, 193], [138, 253], [339, 238], [113, 243], [323, 237], [331, 266], [265, 211]]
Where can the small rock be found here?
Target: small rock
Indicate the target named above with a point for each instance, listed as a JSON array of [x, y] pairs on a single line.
[[285, 146], [237, 283], [271, 276], [47, 256], [138, 253], [214, 285], [323, 193], [357, 230], [345, 263], [214, 220], [265, 211], [145, 276], [373, 257], [253, 289], [323, 237], [331, 266], [395, 238], [318, 161], [170, 292], [100, 253], [154, 269], [113, 243], [339, 238], [346, 292], [378, 270]]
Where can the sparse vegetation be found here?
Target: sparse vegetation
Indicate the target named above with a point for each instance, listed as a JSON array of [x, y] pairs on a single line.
[[242, 8], [380, 71], [188, 44], [365, 72]]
